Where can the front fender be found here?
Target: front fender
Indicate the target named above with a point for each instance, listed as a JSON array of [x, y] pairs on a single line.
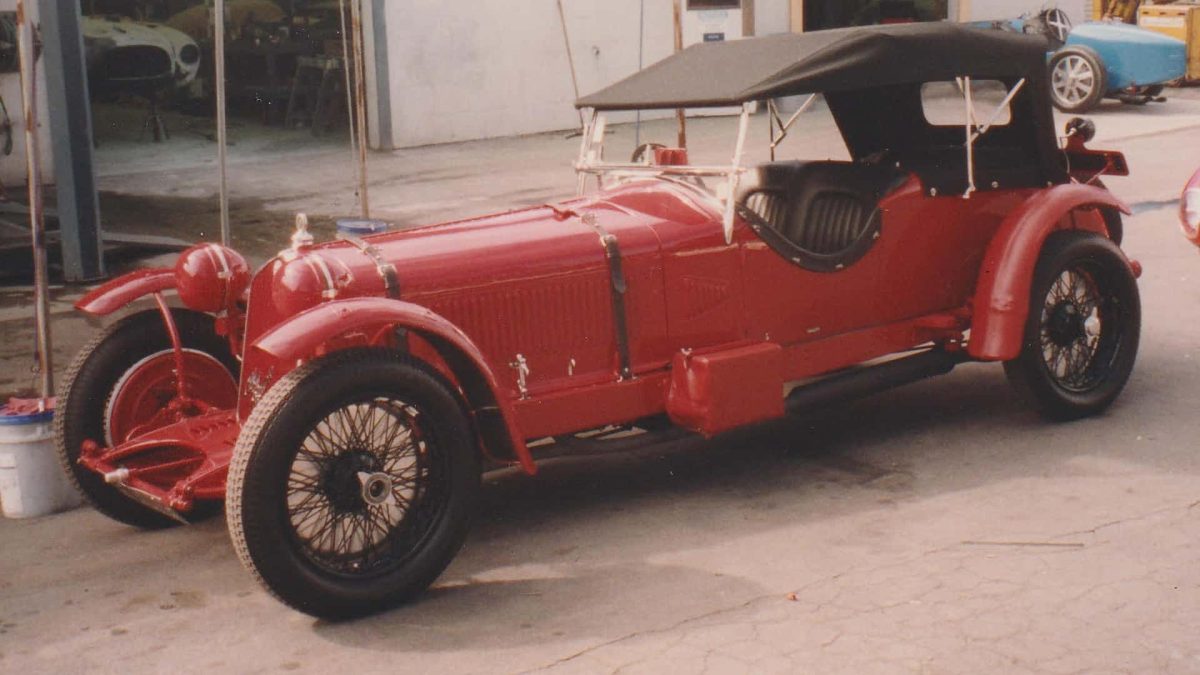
[[1001, 301], [117, 293], [283, 347]]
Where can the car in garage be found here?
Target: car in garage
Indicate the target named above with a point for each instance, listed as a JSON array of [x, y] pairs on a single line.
[[343, 399], [140, 57], [1101, 59]]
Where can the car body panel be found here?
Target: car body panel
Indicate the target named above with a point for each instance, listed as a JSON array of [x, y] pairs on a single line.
[[1002, 295], [117, 293], [126, 54], [1133, 57]]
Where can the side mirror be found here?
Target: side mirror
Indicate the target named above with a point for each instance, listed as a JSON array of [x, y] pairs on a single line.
[[1085, 129]]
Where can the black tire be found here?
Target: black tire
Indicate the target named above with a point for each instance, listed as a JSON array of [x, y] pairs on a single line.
[[1090, 82], [90, 381], [282, 499], [1081, 337]]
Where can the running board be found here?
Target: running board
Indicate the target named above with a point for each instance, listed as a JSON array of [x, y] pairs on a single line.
[[865, 380]]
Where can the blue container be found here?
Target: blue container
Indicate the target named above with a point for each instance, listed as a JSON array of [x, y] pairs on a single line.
[[359, 227]]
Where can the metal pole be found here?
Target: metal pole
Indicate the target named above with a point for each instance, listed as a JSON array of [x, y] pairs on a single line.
[[735, 173], [222, 137], [350, 111], [637, 129], [360, 99], [37, 221], [680, 116], [562, 19]]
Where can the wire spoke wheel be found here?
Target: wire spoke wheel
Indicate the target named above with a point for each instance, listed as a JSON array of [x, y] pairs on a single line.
[[353, 482], [1082, 331], [364, 488], [1072, 330]]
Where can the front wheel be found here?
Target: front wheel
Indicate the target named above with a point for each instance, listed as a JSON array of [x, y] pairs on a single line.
[[120, 386], [352, 484], [1081, 336]]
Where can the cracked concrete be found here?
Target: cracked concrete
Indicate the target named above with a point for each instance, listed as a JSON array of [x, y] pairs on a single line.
[[940, 528]]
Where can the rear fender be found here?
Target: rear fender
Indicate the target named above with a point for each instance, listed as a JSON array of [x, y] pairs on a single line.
[[1001, 301], [120, 292], [302, 337]]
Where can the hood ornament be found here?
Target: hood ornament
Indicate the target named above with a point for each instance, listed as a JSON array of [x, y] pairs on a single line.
[[301, 237]]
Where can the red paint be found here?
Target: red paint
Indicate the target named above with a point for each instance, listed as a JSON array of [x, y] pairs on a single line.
[[1190, 229], [178, 464], [1086, 165], [592, 406], [718, 391], [535, 284], [117, 293], [147, 397], [299, 338], [671, 156], [1002, 294], [211, 278]]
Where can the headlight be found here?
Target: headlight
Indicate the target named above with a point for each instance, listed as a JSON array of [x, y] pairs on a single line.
[[211, 278], [1189, 209], [189, 55]]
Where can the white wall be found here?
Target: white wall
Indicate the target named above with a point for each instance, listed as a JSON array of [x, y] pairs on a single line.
[[492, 68], [987, 10], [12, 167], [771, 16]]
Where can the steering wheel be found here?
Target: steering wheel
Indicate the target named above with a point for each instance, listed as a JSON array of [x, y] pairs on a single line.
[[640, 152], [1058, 23]]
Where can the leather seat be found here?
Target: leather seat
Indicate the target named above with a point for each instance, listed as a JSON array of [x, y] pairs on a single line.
[[823, 208]]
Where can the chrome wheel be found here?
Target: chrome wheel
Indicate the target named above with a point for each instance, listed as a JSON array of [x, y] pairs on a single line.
[[1073, 81], [363, 491]]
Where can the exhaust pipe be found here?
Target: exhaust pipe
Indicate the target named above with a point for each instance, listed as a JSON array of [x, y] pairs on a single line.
[[863, 381]]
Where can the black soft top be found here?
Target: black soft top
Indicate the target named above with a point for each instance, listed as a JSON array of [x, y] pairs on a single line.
[[730, 73]]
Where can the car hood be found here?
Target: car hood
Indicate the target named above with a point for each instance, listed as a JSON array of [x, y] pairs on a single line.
[[125, 33], [441, 264]]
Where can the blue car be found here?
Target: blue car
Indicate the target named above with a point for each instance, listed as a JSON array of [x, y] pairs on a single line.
[[1101, 59]]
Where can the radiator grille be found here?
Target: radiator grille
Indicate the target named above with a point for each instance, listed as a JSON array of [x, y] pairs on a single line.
[[136, 63]]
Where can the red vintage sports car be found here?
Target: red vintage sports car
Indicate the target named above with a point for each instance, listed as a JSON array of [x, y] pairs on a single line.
[[344, 399]]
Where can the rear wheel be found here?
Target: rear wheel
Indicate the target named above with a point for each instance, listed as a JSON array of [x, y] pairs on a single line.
[[1078, 80], [118, 386], [352, 484], [1081, 337]]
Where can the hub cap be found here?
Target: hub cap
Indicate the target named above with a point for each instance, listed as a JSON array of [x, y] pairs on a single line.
[[364, 488], [1073, 80]]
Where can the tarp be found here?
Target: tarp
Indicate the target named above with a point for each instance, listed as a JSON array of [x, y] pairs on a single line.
[[730, 73]]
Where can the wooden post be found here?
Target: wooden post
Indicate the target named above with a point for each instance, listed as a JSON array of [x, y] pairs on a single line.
[[680, 115], [796, 8], [37, 223]]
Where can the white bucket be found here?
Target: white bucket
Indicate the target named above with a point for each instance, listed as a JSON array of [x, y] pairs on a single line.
[[32, 482]]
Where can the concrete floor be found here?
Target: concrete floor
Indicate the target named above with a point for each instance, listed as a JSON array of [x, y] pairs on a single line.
[[938, 528]]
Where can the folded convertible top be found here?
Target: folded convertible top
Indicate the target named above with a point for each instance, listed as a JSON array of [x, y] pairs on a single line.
[[730, 73]]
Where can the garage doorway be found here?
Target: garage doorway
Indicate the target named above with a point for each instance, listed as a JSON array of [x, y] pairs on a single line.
[[825, 14], [150, 68]]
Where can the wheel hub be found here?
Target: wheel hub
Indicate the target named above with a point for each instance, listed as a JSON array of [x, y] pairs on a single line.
[[342, 485], [376, 487], [1066, 324]]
